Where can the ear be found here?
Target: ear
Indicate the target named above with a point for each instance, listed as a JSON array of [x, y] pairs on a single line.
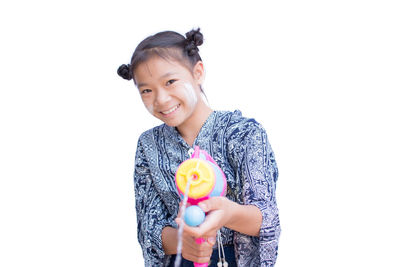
[[198, 72]]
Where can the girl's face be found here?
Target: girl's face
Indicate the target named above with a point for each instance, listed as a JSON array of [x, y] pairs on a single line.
[[169, 91]]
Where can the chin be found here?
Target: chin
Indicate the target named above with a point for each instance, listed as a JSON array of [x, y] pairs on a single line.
[[171, 123]]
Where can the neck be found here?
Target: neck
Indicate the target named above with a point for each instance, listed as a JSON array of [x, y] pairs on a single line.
[[191, 128]]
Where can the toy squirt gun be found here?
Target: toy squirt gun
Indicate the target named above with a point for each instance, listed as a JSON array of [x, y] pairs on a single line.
[[206, 179]]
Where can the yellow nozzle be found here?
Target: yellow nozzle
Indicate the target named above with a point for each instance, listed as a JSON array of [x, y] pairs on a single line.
[[202, 178]]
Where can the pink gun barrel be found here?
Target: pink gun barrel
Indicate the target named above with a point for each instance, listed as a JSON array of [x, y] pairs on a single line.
[[206, 180]]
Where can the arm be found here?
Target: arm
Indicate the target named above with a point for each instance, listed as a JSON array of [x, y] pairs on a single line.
[[169, 240], [224, 212], [257, 215], [152, 214], [259, 174], [157, 233], [241, 215]]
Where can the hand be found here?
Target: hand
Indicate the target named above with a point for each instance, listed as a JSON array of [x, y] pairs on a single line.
[[219, 214], [197, 252], [192, 249]]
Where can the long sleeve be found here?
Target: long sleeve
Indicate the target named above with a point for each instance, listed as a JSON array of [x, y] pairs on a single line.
[[152, 214], [258, 173]]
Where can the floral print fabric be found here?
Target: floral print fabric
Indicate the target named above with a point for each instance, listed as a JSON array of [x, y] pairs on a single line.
[[240, 147]]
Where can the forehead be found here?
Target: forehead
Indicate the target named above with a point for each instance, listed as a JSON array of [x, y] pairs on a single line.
[[157, 67]]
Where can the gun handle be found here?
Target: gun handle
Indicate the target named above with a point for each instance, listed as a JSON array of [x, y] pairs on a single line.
[[196, 264]]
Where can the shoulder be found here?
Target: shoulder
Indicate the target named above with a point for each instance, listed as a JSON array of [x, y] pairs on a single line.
[[150, 135], [238, 127], [146, 149]]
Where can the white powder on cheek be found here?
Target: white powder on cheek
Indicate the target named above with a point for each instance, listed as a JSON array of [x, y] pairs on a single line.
[[150, 108], [190, 94]]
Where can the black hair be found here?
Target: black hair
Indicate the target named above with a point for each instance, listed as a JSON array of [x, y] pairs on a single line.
[[167, 45]]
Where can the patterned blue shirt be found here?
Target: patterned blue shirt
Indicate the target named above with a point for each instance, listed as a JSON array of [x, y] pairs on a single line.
[[240, 147]]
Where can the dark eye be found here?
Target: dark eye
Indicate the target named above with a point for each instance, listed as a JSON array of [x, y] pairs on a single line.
[[170, 82], [145, 91]]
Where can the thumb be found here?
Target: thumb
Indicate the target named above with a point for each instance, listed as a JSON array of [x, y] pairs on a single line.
[[210, 204]]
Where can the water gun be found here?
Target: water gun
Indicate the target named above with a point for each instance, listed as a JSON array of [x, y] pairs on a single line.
[[206, 179]]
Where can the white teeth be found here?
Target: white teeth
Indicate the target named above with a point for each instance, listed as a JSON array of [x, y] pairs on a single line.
[[170, 110]]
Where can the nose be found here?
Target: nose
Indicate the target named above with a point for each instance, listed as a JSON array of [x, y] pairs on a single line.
[[162, 97]]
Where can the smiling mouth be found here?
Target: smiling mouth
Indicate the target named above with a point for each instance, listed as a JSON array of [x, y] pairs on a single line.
[[170, 110]]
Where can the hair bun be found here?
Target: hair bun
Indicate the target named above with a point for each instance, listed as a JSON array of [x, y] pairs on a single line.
[[194, 38], [125, 71]]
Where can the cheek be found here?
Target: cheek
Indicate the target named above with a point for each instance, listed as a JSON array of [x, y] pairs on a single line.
[[150, 108], [190, 94], [148, 105]]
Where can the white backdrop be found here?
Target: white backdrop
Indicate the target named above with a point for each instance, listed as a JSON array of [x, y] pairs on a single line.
[[321, 76]]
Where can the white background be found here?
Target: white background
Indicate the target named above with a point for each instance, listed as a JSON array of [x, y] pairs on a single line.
[[321, 76]]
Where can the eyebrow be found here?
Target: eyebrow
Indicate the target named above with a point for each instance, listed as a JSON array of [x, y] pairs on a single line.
[[161, 77]]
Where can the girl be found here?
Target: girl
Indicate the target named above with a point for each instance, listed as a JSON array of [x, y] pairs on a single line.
[[168, 71]]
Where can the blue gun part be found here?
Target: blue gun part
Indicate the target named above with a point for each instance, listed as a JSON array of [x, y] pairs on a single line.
[[194, 216]]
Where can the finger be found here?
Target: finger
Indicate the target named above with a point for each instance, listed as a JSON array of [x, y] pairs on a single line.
[[180, 210], [180, 221], [207, 229], [192, 231], [196, 254], [199, 244], [207, 241], [211, 240], [201, 251], [190, 240], [212, 203], [213, 222], [202, 243], [187, 230], [190, 243], [187, 204], [195, 258]]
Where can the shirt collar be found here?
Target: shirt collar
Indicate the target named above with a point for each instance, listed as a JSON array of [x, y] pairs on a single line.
[[205, 131]]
